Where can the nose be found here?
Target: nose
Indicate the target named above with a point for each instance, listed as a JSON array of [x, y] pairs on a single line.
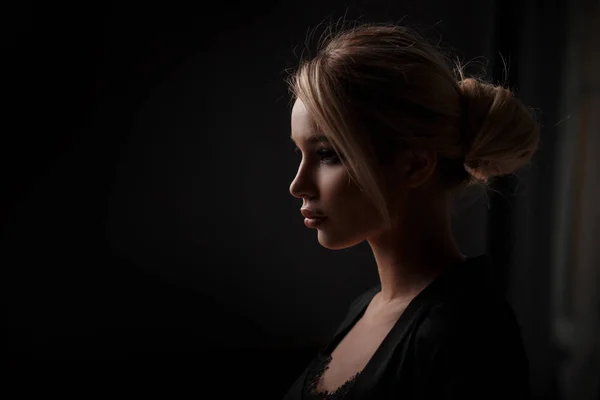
[[302, 186]]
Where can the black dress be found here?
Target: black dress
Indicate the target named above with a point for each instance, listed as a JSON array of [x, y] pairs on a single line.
[[457, 339]]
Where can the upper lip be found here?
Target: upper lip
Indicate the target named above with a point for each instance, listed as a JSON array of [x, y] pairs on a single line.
[[308, 213]]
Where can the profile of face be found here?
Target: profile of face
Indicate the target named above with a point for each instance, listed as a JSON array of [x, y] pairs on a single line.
[[324, 185]]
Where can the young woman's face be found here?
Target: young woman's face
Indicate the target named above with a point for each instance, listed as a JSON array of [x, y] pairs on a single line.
[[323, 183]]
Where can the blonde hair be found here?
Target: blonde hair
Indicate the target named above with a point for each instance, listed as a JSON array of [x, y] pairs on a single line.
[[375, 90]]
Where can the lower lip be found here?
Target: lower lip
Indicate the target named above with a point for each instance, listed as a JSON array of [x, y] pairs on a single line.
[[314, 222]]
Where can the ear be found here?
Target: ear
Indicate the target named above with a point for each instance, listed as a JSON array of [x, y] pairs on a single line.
[[418, 167]]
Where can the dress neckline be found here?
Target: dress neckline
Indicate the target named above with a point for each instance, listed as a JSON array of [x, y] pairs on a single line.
[[323, 357], [316, 371]]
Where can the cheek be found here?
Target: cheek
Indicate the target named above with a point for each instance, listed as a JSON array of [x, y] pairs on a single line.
[[336, 188], [352, 217], [344, 200]]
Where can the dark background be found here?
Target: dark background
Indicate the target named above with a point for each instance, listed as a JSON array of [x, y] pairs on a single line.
[[148, 237]]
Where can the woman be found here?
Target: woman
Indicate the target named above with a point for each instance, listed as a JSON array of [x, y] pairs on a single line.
[[387, 133]]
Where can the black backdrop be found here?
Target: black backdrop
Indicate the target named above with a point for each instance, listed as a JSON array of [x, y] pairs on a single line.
[[148, 236]]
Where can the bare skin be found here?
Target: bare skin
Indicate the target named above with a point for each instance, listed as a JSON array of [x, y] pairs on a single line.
[[358, 346], [408, 256]]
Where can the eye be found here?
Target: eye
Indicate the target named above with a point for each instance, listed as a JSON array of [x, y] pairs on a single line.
[[327, 156]]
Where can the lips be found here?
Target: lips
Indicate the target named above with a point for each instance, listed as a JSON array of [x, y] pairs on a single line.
[[314, 222], [307, 213]]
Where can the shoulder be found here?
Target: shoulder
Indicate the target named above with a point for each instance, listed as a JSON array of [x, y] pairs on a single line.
[[470, 348], [469, 322]]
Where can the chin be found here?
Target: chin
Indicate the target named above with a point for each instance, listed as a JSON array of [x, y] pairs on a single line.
[[333, 242]]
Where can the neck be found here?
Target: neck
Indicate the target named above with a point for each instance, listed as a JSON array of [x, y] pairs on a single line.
[[415, 251]]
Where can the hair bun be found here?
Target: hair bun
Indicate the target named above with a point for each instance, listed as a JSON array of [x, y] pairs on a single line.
[[500, 134]]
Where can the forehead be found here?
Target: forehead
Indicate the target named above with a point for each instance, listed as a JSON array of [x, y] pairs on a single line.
[[304, 128]]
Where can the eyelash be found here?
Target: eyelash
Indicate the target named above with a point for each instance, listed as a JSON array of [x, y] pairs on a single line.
[[326, 156]]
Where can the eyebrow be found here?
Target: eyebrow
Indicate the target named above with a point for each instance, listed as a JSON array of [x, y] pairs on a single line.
[[315, 139]]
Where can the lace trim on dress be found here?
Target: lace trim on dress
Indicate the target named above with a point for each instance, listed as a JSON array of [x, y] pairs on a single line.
[[315, 373]]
